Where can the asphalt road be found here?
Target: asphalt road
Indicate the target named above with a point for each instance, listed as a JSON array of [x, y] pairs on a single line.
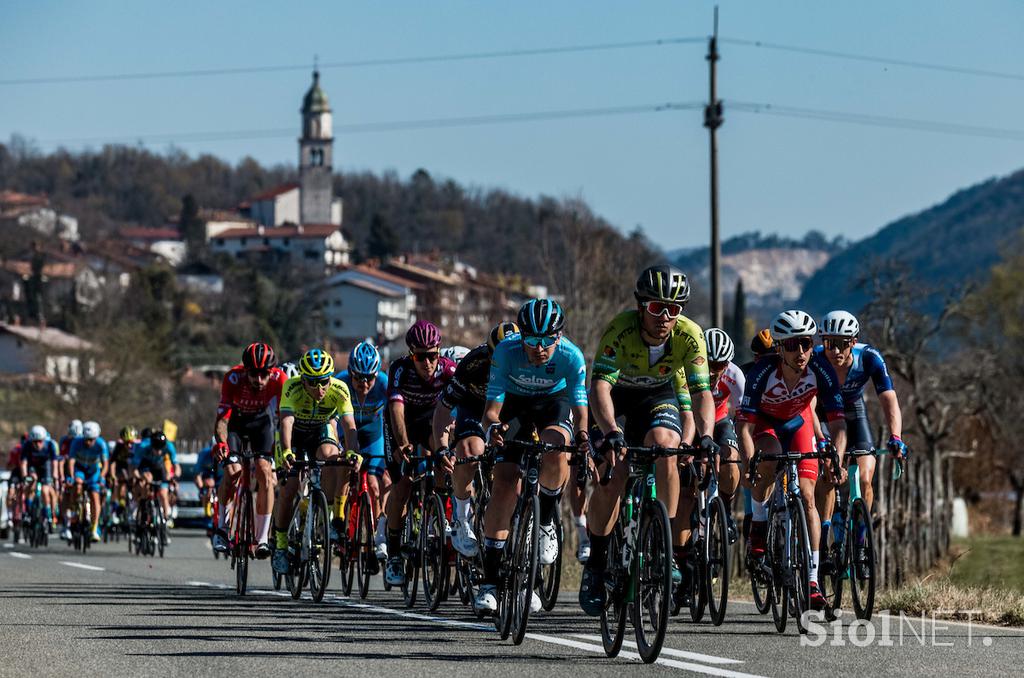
[[114, 614]]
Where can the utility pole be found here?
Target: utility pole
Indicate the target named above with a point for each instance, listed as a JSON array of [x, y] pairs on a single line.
[[713, 120]]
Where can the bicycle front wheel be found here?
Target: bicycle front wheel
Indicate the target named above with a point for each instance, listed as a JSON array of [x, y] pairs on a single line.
[[433, 556], [366, 560], [410, 548], [862, 560], [319, 546], [778, 597], [293, 579], [654, 581], [800, 564], [717, 576], [525, 562], [243, 536], [551, 575]]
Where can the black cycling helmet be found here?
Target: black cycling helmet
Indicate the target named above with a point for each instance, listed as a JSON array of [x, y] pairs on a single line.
[[158, 440], [258, 356], [663, 282]]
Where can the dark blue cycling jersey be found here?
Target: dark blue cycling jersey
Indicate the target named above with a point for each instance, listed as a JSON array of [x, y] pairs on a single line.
[[511, 372], [867, 364]]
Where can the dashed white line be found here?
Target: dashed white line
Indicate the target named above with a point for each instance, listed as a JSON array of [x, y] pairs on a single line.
[[15, 554], [553, 640], [679, 654], [83, 566]]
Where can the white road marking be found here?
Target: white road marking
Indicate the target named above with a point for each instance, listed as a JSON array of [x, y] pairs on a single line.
[[15, 554], [83, 566], [553, 640], [680, 654], [8, 546]]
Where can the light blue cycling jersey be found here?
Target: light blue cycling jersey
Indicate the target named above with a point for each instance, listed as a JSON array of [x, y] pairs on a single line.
[[369, 414], [89, 458], [144, 450], [511, 372], [867, 364]]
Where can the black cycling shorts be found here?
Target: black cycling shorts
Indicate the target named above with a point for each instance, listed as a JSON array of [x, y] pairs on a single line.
[[725, 434], [644, 409], [858, 428], [467, 425], [156, 467], [530, 413], [43, 471], [308, 441], [257, 432]]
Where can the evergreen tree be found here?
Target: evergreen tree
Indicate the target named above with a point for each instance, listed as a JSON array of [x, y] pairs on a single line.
[[383, 241]]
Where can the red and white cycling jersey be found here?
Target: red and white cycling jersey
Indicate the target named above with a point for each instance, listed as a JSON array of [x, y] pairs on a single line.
[[767, 399], [237, 396], [728, 391]]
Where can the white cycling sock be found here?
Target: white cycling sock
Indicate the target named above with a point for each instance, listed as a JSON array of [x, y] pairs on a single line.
[[760, 510], [262, 527], [461, 509], [814, 566]]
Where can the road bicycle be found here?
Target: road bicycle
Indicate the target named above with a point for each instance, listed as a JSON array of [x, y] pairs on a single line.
[[356, 559], [81, 528], [469, 571], [639, 573], [150, 525], [35, 524], [241, 530]]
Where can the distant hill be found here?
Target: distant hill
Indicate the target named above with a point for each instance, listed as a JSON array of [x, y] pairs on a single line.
[[773, 268], [945, 245]]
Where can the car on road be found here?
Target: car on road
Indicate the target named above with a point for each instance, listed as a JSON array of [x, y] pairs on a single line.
[[190, 509]]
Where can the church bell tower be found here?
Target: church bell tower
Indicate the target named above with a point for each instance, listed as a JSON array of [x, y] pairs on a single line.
[[315, 149]]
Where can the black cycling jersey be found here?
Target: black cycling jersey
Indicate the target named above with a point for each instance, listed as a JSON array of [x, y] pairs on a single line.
[[468, 386]]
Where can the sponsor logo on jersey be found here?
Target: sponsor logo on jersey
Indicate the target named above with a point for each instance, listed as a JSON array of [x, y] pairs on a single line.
[[698, 361], [534, 382]]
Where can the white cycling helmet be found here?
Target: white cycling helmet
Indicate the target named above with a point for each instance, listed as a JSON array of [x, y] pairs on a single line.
[[456, 353], [90, 430], [840, 324], [290, 369], [75, 428], [37, 433], [720, 348], [789, 324]]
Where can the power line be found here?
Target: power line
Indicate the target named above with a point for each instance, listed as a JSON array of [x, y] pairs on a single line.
[[851, 56], [361, 63], [873, 120], [390, 126]]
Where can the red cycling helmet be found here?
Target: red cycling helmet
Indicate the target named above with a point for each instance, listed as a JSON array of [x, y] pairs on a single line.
[[423, 334], [258, 357]]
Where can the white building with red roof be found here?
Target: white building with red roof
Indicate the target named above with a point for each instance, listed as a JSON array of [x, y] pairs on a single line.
[[312, 245]]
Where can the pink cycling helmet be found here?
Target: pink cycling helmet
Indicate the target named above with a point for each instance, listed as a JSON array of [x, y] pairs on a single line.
[[423, 334]]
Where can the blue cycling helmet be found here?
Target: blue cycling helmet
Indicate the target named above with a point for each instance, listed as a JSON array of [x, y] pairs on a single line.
[[364, 359], [541, 317]]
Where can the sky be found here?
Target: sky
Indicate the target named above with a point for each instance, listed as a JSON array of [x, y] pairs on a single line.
[[778, 174]]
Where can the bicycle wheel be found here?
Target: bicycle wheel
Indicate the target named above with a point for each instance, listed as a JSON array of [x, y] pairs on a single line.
[[366, 559], [410, 548], [294, 578], [860, 537], [320, 546], [551, 575], [346, 553], [276, 577], [243, 537], [525, 563], [433, 556], [653, 580], [800, 564], [161, 531], [832, 570], [778, 598], [613, 617], [716, 580], [698, 573]]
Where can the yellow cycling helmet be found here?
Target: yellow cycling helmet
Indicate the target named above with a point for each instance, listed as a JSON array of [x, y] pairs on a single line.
[[316, 364]]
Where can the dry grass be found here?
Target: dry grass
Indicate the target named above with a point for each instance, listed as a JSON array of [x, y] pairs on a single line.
[[946, 600]]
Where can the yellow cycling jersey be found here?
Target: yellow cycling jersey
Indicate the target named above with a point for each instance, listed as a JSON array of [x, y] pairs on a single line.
[[309, 413], [624, 359]]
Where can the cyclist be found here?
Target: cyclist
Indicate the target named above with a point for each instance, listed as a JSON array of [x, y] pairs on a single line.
[[368, 386], [650, 362], [727, 383], [539, 379], [39, 464], [120, 471], [148, 461], [249, 398], [780, 388], [415, 382], [311, 407], [856, 363], [15, 500], [62, 477], [208, 475], [466, 393], [87, 464]]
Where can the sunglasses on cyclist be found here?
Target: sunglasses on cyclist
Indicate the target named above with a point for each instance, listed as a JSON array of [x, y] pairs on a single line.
[[539, 342], [663, 308], [259, 373], [795, 344], [317, 381], [425, 355], [364, 378], [837, 344]]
